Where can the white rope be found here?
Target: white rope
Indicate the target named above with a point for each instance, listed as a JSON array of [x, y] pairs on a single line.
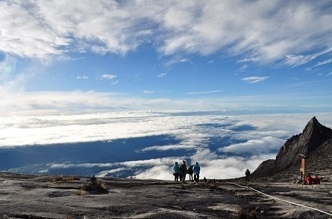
[[293, 203]]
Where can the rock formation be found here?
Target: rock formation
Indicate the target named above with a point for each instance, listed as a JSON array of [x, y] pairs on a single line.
[[315, 143]]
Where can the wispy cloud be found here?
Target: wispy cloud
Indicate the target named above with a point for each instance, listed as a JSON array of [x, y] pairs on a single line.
[[175, 60], [254, 79], [148, 91], [161, 75], [16, 103], [244, 68], [168, 147], [83, 77], [204, 92], [108, 76], [328, 61], [115, 82]]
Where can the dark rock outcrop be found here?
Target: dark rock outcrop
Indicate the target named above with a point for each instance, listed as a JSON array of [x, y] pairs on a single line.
[[315, 143]]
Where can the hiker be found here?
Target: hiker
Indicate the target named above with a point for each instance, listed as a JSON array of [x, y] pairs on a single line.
[[316, 180], [183, 170], [93, 181], [176, 171], [247, 175], [197, 170], [309, 180], [190, 172]]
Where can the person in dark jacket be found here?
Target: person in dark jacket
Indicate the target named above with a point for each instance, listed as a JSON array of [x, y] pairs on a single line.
[[183, 171], [190, 172], [316, 180], [247, 173]]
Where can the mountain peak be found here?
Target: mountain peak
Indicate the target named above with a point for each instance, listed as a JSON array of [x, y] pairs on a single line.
[[312, 125], [314, 142], [314, 121], [312, 135]]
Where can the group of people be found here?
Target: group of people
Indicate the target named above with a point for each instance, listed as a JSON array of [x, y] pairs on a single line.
[[180, 172]]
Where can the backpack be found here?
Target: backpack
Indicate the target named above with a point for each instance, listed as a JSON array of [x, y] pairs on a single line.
[[190, 169]]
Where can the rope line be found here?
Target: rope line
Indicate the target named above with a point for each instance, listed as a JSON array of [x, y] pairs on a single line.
[[289, 202]]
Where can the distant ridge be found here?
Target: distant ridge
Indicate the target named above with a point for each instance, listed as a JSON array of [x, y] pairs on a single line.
[[315, 142]]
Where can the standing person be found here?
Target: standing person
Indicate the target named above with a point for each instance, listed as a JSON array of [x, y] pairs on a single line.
[[247, 175], [176, 171], [190, 172], [183, 170], [197, 170]]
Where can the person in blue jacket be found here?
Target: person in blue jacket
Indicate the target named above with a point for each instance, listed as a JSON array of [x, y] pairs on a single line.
[[176, 171], [197, 170]]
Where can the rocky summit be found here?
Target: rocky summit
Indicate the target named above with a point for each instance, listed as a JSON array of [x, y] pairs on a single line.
[[314, 143]]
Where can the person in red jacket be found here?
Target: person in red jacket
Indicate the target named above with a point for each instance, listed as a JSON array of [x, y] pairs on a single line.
[[309, 180]]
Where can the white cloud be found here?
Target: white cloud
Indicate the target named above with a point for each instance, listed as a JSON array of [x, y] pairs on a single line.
[[204, 92], [175, 60], [108, 76], [39, 103], [168, 147], [47, 129], [148, 91], [231, 167], [82, 77], [57, 27], [105, 173], [296, 60], [328, 61], [254, 79], [255, 146], [244, 68]]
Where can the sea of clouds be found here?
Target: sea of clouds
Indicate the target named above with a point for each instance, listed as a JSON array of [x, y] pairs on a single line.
[[145, 144]]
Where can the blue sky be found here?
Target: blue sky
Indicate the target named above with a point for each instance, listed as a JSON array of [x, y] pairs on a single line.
[[60, 56], [88, 71]]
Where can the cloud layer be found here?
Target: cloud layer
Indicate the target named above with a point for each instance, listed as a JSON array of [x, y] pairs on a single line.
[[146, 144], [258, 31]]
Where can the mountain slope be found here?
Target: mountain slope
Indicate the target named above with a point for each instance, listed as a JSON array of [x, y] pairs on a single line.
[[315, 142]]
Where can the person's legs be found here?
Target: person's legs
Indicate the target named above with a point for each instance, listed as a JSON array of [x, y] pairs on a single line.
[[196, 178]]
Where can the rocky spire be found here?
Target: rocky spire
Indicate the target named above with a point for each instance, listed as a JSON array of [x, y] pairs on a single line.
[[312, 136], [314, 141]]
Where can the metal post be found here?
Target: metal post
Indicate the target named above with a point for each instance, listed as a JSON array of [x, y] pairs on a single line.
[[303, 167]]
